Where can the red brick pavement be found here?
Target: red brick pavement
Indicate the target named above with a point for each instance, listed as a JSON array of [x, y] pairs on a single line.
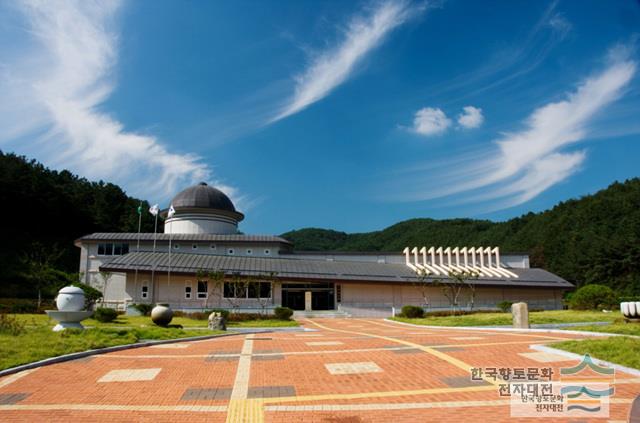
[[401, 373]]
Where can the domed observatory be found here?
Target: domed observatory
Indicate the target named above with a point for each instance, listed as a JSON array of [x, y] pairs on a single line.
[[202, 209]]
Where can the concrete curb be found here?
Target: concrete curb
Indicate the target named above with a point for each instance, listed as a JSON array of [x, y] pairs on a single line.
[[87, 353], [503, 329], [544, 348]]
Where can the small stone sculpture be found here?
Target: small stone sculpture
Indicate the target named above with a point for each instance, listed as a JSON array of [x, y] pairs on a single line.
[[161, 314], [217, 322]]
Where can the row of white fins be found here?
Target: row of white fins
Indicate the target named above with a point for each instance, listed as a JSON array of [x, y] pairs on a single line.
[[479, 260]]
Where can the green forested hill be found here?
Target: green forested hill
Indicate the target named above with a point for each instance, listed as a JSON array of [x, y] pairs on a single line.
[[44, 211], [594, 239]]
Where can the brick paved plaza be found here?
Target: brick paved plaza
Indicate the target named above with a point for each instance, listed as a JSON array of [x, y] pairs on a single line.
[[345, 370]]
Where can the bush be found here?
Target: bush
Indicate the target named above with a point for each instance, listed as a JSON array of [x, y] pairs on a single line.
[[505, 306], [593, 297], [283, 313], [412, 312], [91, 295], [11, 325], [144, 309], [105, 315]]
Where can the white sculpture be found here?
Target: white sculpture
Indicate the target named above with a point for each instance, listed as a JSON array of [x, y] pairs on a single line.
[[439, 266], [70, 302]]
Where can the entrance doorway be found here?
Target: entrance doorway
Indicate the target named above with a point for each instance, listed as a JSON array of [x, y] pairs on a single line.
[[322, 295]]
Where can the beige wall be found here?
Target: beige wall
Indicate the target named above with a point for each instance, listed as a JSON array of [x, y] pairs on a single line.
[[381, 295], [355, 296], [174, 293]]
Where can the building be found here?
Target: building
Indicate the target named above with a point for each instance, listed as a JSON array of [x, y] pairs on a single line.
[[201, 261]]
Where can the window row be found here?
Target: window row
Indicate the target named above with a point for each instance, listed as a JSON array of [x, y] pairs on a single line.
[[113, 249], [231, 290], [230, 251]]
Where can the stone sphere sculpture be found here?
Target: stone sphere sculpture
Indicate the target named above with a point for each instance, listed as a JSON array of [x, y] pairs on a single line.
[[630, 310], [70, 298], [70, 302], [161, 314]]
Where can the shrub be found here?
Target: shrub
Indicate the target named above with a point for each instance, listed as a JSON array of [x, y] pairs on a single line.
[[283, 313], [447, 313], [11, 325], [412, 311], [593, 297], [91, 295], [105, 315], [505, 306], [144, 309]]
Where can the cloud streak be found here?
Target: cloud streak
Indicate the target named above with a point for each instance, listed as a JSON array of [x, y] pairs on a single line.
[[334, 66], [525, 163], [55, 91]]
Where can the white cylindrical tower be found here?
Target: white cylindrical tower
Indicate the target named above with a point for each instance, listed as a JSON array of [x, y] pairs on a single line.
[[202, 209]]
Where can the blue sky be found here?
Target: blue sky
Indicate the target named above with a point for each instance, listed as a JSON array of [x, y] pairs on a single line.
[[344, 115]]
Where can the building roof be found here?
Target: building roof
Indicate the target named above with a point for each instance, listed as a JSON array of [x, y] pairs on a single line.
[[307, 269], [133, 236], [203, 196]]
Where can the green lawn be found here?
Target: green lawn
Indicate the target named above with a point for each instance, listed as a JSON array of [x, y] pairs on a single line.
[[501, 319], [617, 327], [144, 321], [619, 349], [39, 341]]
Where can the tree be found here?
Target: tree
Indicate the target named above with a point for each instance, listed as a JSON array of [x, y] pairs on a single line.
[[255, 284], [422, 284], [238, 287], [451, 288], [215, 282], [37, 267], [105, 276], [467, 279]]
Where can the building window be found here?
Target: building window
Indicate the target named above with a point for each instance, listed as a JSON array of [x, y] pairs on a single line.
[[145, 291], [338, 293], [231, 251], [250, 290], [187, 290], [194, 246], [267, 252], [249, 252], [111, 249], [202, 289]]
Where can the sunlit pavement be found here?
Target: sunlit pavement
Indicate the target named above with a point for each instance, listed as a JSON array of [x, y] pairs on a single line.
[[345, 370]]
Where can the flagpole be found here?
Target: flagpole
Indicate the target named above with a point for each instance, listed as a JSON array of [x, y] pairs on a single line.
[[135, 282], [169, 271], [170, 214], [153, 267]]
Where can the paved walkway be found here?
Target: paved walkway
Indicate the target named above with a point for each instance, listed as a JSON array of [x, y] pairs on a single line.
[[346, 371]]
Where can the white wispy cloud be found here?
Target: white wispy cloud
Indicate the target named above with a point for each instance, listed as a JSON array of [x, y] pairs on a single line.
[[330, 68], [55, 90], [471, 117], [522, 164], [430, 121]]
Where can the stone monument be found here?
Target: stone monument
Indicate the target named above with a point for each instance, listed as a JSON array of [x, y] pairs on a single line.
[[217, 322], [520, 314], [70, 302]]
